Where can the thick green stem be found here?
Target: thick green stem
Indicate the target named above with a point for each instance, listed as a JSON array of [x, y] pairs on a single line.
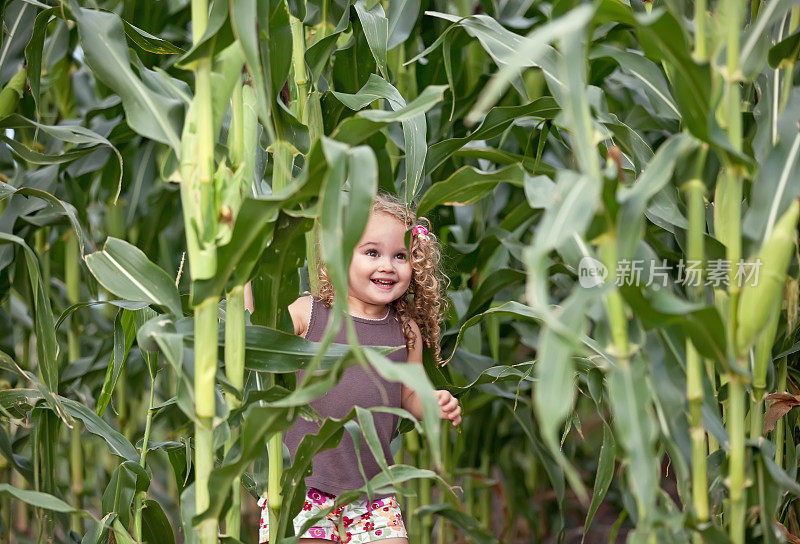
[[197, 163], [730, 199], [700, 30], [447, 463], [236, 134], [275, 471], [694, 362], [234, 370], [485, 512], [72, 280], [299, 65], [780, 426], [22, 514], [615, 306], [694, 394], [312, 256], [762, 501], [234, 343], [140, 496], [412, 502], [281, 177], [736, 462], [200, 211], [282, 165], [426, 523], [205, 367], [5, 501], [762, 359]]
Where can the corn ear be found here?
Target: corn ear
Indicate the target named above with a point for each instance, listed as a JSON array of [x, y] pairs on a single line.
[[758, 298], [12, 92]]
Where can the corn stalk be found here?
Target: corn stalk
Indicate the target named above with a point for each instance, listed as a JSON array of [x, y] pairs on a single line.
[[694, 362], [197, 195]]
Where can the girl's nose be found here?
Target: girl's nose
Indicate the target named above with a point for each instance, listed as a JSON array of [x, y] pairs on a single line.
[[385, 264]]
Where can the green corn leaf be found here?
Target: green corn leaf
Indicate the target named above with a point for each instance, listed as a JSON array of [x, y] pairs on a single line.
[[468, 185], [97, 534], [262, 29], [357, 129], [554, 472], [777, 175], [18, 21], [226, 73], [276, 281], [554, 395], [605, 473], [342, 221], [37, 499], [497, 120], [646, 71], [254, 224], [785, 50], [751, 56], [124, 335], [513, 52], [319, 53], [118, 444], [505, 278], [74, 134], [402, 19], [148, 42], [576, 199], [69, 209], [270, 350], [413, 121], [414, 377], [204, 47], [259, 424], [156, 528], [148, 112], [635, 429], [634, 200], [367, 425], [46, 344], [376, 29], [465, 523], [126, 271]]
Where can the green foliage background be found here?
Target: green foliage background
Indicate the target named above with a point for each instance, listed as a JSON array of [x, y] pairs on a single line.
[[159, 155]]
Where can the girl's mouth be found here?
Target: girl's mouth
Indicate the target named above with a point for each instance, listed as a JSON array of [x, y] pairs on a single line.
[[384, 284]]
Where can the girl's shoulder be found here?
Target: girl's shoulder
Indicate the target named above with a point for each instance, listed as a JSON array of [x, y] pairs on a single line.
[[300, 312]]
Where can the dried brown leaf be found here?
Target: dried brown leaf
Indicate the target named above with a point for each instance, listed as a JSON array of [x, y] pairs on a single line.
[[780, 405], [790, 538]]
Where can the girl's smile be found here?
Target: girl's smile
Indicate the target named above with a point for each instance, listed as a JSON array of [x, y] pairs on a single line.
[[379, 272]]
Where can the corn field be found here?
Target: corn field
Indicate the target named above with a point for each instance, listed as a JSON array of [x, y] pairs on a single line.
[[615, 184]]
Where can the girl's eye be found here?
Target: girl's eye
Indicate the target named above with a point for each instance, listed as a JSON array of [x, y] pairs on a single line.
[[401, 256], [371, 253]]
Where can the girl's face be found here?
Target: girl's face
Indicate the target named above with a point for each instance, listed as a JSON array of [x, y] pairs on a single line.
[[379, 272]]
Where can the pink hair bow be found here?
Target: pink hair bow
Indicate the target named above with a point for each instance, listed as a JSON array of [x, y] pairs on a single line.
[[420, 232]]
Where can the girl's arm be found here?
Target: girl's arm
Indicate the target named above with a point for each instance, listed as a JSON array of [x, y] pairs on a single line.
[[299, 310], [448, 404]]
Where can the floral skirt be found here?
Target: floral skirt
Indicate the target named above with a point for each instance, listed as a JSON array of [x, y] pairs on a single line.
[[358, 522]]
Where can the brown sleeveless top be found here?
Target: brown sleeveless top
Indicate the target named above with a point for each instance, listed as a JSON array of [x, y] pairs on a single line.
[[336, 470]]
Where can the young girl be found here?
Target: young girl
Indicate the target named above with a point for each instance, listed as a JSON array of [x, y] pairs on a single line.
[[395, 298]]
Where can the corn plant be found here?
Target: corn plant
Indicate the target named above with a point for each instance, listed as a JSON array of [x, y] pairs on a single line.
[[603, 177]]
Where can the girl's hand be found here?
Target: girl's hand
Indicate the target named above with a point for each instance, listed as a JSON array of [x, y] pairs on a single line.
[[448, 406]]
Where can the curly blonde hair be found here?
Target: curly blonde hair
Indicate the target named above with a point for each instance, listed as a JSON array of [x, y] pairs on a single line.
[[424, 301]]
